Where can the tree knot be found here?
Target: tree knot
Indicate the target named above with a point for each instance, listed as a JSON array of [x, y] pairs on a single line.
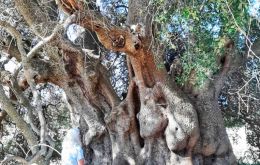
[[118, 42]]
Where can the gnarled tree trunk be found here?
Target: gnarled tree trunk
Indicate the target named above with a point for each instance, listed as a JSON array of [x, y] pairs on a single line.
[[156, 123]]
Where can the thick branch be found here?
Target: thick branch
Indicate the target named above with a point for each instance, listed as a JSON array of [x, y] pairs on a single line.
[[26, 58], [3, 114], [25, 102], [38, 107], [37, 19], [20, 123], [111, 37], [230, 62], [141, 58], [133, 44], [106, 88], [142, 11], [11, 49], [16, 34]]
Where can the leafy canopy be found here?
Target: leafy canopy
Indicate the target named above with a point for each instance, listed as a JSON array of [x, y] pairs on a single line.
[[205, 26]]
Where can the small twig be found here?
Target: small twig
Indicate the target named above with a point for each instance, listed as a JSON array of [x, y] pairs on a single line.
[[16, 34], [245, 85], [113, 62], [20, 147], [90, 53], [242, 31]]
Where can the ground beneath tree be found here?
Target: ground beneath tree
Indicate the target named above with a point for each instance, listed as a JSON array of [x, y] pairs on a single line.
[[241, 114], [241, 148]]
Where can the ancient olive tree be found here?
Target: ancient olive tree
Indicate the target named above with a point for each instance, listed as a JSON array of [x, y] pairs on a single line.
[[158, 122]]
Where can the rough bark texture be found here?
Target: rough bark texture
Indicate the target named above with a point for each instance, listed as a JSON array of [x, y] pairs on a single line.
[[154, 124]]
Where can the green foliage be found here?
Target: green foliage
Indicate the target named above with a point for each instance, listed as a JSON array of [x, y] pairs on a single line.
[[206, 27], [203, 62]]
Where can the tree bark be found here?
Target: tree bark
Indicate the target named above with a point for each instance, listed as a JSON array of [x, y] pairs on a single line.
[[156, 123]]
